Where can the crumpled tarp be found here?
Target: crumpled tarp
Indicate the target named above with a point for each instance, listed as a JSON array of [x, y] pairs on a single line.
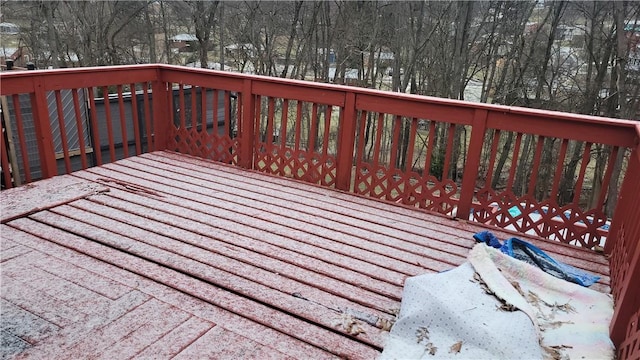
[[496, 307], [525, 251]]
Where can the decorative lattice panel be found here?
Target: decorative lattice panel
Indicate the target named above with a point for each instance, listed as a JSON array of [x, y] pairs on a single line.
[[630, 347]]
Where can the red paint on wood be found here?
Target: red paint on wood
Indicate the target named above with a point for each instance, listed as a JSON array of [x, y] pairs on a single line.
[[42, 125], [246, 126], [109, 123], [80, 128], [162, 114], [63, 132], [147, 116], [123, 124], [94, 128], [335, 343], [21, 137], [6, 174], [134, 118], [347, 130]]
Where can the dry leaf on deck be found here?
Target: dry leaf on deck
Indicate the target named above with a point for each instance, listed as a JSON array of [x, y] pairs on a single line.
[[422, 334], [432, 349], [455, 348]]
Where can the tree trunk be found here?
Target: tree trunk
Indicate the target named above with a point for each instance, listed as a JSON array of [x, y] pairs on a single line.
[[221, 35], [150, 36], [48, 9], [292, 37], [165, 30], [203, 19], [504, 155], [568, 181]]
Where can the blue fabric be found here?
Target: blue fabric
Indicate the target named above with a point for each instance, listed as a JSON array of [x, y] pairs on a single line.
[[488, 238], [529, 253]]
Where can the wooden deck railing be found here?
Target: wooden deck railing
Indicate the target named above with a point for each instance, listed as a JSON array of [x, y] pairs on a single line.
[[555, 175], [624, 262]]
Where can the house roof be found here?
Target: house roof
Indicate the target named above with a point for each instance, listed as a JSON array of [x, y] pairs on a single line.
[[9, 28], [184, 37]]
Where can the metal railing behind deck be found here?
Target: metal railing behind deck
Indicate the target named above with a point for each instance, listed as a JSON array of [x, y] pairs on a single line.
[[549, 174]]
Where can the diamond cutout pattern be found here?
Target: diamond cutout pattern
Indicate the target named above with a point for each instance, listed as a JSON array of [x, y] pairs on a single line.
[[406, 187], [298, 164], [203, 144], [568, 224]]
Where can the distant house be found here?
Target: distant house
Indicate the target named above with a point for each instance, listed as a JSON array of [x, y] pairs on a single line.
[[567, 32], [531, 27], [632, 33], [350, 75], [20, 55], [330, 53], [9, 29], [184, 42], [240, 50], [633, 62], [385, 57]]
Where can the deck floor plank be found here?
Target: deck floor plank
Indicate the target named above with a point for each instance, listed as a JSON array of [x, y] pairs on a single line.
[[284, 323], [438, 231], [25, 325], [111, 264], [166, 255], [174, 342], [229, 257], [179, 194], [360, 260], [365, 207], [211, 346], [328, 215], [188, 259], [402, 217]]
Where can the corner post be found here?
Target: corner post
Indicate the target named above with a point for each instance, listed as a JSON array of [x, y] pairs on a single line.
[[347, 139], [247, 124]]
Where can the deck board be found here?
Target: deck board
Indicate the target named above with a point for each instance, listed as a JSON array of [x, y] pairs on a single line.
[[162, 285], [398, 217], [170, 255]]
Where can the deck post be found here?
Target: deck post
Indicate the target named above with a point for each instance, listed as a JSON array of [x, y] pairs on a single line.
[[247, 123], [478, 128], [162, 118], [42, 124], [347, 136]]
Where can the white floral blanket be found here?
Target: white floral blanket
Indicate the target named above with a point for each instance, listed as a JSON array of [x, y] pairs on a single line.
[[496, 307]]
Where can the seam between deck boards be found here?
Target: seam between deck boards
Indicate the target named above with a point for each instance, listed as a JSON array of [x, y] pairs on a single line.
[[359, 199], [204, 179], [137, 258], [154, 288]]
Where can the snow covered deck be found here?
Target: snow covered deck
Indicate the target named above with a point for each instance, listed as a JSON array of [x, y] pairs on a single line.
[[164, 255]]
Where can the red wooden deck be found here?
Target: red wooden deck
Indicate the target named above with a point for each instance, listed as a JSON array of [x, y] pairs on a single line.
[[164, 255]]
